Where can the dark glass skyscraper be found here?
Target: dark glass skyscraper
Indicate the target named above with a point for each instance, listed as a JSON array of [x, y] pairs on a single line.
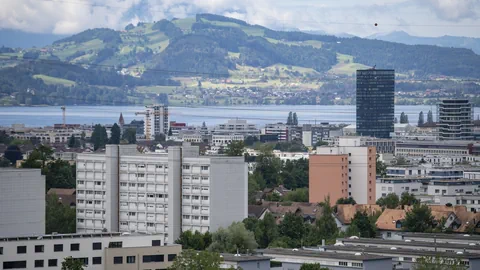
[[375, 102]]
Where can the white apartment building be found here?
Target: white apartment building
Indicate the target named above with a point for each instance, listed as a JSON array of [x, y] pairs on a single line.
[[279, 129], [22, 202], [398, 186], [52, 135], [237, 127], [224, 140], [164, 194], [361, 167], [156, 120], [453, 187], [97, 251]]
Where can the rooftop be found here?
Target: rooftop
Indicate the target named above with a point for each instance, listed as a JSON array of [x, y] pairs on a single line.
[[401, 251], [465, 237], [319, 254], [398, 243], [69, 236], [244, 258]]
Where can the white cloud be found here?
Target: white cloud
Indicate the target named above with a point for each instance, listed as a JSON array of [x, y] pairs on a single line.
[[334, 16]]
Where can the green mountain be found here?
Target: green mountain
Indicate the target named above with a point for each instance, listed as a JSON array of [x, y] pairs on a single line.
[[162, 56]]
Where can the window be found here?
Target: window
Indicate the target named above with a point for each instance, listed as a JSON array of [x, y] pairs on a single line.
[[74, 247], [130, 259], [204, 218], [58, 248], [1, 250], [186, 197], [83, 260], [204, 198], [343, 263], [204, 168], [355, 264], [38, 263], [140, 175], [97, 260], [186, 217], [156, 243], [115, 244], [349, 170], [407, 259], [196, 207], [52, 262], [21, 249], [171, 257], [15, 265], [97, 246], [186, 167], [389, 234], [118, 260], [39, 249], [153, 258]]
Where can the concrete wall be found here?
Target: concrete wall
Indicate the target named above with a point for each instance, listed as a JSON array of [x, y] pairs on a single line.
[[112, 187], [377, 264], [228, 191], [174, 193], [22, 202], [328, 176], [259, 265]]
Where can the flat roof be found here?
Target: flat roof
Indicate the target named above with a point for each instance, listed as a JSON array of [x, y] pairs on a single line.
[[11, 169], [373, 241], [244, 258], [70, 236], [320, 254], [402, 251], [455, 236]]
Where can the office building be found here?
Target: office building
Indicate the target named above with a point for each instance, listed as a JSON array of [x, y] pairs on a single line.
[[224, 140], [279, 129], [312, 134], [22, 202], [399, 185], [347, 170], [99, 251], [455, 119], [375, 102], [155, 120], [236, 127], [161, 193]]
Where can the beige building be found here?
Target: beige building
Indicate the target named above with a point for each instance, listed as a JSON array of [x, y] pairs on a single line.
[[348, 166], [139, 258]]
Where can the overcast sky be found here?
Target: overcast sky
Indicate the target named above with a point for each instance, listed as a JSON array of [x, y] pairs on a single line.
[[417, 17]]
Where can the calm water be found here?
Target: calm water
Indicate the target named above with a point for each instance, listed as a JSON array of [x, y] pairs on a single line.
[[42, 116]]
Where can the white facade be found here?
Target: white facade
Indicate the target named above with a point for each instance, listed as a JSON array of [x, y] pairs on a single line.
[[360, 160], [49, 251], [237, 127], [431, 148], [52, 135], [397, 186], [22, 202], [279, 129], [473, 175], [159, 193], [453, 187], [156, 121], [224, 140]]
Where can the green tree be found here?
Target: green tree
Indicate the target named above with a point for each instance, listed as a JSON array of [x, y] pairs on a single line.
[[72, 142], [421, 119], [438, 263], [254, 186], [364, 225], [195, 241], [13, 153], [130, 135], [418, 219], [268, 166], [196, 260], [294, 173], [235, 148], [293, 227], [321, 143], [160, 138], [5, 138], [59, 174], [325, 226], [250, 223], [391, 201], [312, 266], [295, 119], [115, 134], [403, 118], [70, 263], [99, 137], [381, 167], [348, 200], [290, 118], [58, 217], [430, 117], [266, 231], [408, 199], [400, 161], [297, 195], [235, 237], [4, 162]]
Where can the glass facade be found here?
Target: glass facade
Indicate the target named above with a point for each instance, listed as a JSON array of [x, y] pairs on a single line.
[[375, 102]]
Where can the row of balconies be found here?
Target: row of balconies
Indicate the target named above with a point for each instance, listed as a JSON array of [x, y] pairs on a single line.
[[144, 209], [91, 216], [195, 212], [143, 218], [163, 189], [197, 182], [143, 199], [187, 222], [195, 202], [90, 196]]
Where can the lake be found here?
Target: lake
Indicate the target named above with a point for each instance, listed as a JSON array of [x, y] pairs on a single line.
[[42, 116]]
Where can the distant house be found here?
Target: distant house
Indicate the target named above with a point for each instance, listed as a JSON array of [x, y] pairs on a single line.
[[346, 212], [280, 191], [389, 224], [66, 196], [308, 211]]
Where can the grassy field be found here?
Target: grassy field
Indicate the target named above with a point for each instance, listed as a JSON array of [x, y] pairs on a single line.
[[53, 80], [346, 65], [156, 89], [185, 24]]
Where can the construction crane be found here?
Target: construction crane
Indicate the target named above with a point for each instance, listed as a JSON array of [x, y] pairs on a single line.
[[64, 116]]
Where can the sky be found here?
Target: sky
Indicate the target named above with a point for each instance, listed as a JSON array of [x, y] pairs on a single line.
[[357, 17]]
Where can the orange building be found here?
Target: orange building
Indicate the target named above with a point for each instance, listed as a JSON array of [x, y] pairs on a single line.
[[328, 176]]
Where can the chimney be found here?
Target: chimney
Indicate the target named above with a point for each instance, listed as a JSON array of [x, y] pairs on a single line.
[[323, 242]]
